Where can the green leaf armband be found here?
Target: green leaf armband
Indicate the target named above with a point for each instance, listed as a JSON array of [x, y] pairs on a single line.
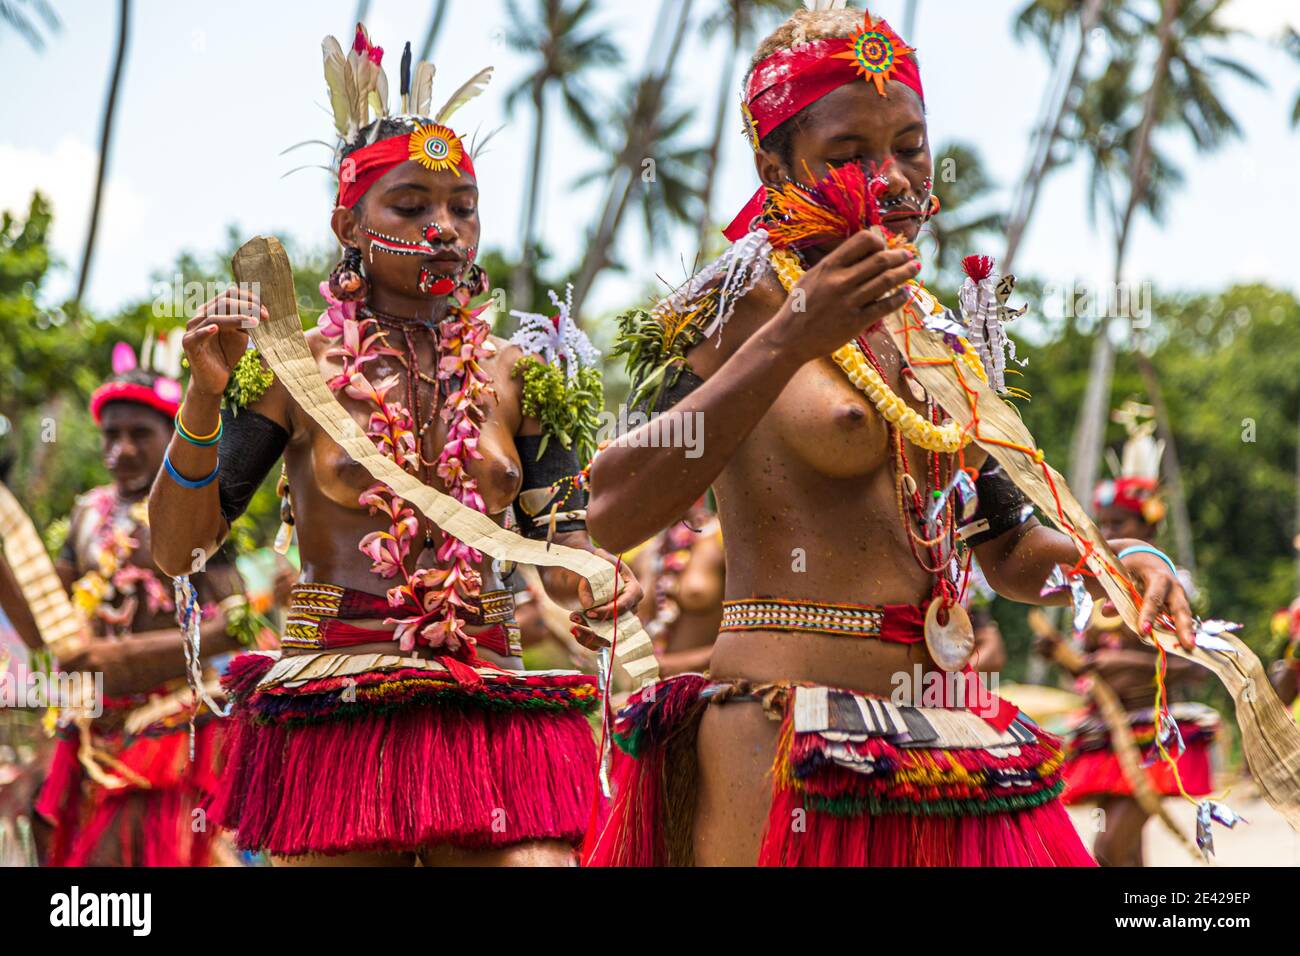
[[568, 406], [249, 380]]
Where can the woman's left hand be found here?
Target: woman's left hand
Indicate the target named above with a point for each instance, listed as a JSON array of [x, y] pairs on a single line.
[[629, 596], [1162, 593]]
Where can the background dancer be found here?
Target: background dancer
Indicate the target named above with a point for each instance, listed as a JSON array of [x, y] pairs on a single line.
[[121, 789], [1131, 506]]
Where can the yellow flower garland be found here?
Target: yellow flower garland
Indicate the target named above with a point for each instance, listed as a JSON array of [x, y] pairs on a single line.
[[947, 438]]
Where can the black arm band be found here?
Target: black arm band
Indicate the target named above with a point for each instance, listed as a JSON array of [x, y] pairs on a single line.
[[1002, 506], [250, 446], [556, 468]]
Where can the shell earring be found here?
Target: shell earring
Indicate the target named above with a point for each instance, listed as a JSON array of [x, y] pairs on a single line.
[[347, 284]]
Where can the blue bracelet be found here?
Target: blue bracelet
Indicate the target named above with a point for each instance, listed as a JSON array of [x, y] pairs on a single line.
[[1147, 549], [185, 482]]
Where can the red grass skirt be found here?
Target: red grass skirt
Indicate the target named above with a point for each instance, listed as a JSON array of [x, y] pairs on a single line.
[[1094, 771], [916, 807], [417, 760], [134, 825]]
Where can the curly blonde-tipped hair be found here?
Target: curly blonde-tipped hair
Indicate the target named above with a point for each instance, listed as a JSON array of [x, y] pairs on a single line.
[[805, 26]]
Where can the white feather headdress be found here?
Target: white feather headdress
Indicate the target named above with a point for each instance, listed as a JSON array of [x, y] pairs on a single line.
[[358, 88], [557, 338], [1142, 452]]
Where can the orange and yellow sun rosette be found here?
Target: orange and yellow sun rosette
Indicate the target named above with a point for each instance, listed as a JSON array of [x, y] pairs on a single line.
[[436, 147]]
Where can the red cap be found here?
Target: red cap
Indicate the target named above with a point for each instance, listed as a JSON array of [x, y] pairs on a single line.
[[163, 396]]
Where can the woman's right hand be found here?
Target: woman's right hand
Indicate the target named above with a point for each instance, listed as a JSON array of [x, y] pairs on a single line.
[[858, 284], [216, 338]]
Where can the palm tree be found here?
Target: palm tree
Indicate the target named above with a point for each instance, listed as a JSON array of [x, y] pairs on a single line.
[[565, 50], [435, 27], [21, 16], [740, 18], [105, 142], [642, 119], [1129, 174], [1049, 22], [674, 194]]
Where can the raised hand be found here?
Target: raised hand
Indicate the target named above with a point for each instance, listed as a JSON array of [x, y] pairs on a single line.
[[217, 337], [855, 286]]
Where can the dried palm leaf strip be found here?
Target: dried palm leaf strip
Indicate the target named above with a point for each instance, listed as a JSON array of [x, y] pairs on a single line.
[[263, 264]]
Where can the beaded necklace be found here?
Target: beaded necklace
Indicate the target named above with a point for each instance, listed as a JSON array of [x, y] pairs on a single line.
[[427, 601], [948, 632]]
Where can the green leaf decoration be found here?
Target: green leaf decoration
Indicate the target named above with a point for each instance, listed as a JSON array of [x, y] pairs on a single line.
[[568, 408]]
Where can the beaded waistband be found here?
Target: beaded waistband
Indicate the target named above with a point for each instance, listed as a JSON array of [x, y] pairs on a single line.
[[318, 616], [900, 623]]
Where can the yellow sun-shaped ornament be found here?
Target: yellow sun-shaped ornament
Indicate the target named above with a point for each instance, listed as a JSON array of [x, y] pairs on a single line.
[[436, 147], [875, 50]]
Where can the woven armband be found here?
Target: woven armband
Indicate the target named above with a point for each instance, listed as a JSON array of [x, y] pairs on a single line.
[[683, 382], [250, 446], [1002, 506], [551, 502]]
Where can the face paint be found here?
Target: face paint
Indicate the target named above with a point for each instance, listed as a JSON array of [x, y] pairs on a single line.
[[429, 284], [397, 247]]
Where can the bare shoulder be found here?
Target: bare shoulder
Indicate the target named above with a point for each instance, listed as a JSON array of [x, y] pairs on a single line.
[[501, 366], [276, 403], [508, 387], [317, 342], [752, 312]]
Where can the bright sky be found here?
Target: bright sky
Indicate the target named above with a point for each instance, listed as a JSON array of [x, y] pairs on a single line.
[[213, 92]]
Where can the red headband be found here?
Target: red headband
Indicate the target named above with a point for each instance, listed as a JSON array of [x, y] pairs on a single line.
[[432, 146], [791, 79], [1131, 494], [164, 396]]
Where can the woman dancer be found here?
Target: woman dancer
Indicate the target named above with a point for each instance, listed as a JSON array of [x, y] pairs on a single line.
[[1131, 506], [398, 724], [839, 514], [123, 789]]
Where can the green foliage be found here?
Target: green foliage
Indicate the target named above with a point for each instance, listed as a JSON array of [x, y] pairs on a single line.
[[249, 380], [641, 345], [568, 408], [1228, 368], [245, 625], [52, 358]]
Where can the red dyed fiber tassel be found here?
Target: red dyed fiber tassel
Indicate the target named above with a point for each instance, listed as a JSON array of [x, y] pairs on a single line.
[[845, 202], [978, 267], [440, 774], [1042, 836]]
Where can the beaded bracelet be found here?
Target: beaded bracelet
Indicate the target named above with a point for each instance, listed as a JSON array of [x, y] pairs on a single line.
[[184, 482], [201, 440], [1147, 549]]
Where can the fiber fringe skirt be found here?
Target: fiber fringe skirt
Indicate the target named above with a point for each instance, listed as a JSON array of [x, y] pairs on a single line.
[[1092, 770], [334, 753], [145, 808], [857, 781]]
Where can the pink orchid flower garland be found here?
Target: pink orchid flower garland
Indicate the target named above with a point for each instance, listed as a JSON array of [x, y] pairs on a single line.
[[432, 600]]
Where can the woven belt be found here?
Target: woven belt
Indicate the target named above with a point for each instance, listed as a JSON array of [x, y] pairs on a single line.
[[901, 623], [318, 615]]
